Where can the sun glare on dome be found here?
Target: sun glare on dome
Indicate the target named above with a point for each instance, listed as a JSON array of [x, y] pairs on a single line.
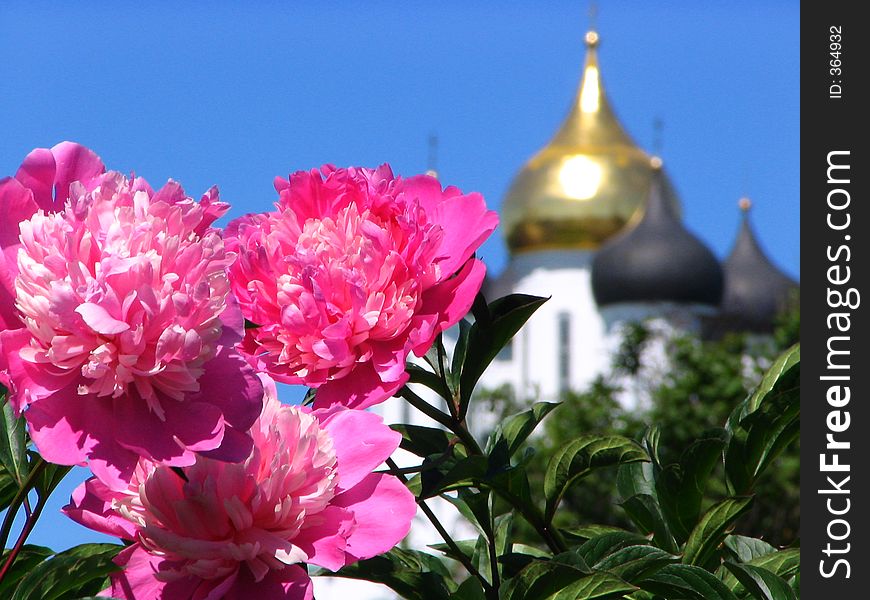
[[580, 177]]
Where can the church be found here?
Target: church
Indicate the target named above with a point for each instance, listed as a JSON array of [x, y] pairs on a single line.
[[593, 221]]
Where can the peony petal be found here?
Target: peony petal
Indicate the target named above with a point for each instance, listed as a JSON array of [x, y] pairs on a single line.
[[36, 173], [450, 301], [459, 243], [229, 383], [360, 389], [137, 581], [383, 509], [16, 205], [325, 543], [30, 382], [62, 426], [362, 442], [91, 506], [187, 427], [98, 318], [290, 583], [74, 163]]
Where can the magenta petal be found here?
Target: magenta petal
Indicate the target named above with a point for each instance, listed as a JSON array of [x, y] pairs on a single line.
[[235, 447], [36, 173], [383, 509], [230, 383], [91, 506], [362, 442], [450, 301], [188, 426], [74, 163], [137, 582], [98, 318], [32, 381], [16, 205], [290, 583], [459, 243], [325, 542], [360, 389], [58, 432]]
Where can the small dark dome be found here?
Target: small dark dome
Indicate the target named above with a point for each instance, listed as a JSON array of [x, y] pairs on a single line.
[[657, 259], [755, 289]]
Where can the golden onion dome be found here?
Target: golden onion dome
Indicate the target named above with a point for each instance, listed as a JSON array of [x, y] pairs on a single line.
[[586, 183]]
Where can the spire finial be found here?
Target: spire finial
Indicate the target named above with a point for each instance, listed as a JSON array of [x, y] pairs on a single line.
[[592, 33], [432, 159], [745, 204], [658, 135]]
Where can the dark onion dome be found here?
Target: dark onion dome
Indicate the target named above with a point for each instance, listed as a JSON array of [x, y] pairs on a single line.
[[755, 289], [656, 259]]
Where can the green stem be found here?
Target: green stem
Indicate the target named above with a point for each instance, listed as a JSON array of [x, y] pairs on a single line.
[[493, 552], [460, 556], [19, 498], [425, 408], [22, 537]]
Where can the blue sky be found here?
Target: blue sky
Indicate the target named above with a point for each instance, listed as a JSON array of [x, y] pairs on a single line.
[[237, 93]]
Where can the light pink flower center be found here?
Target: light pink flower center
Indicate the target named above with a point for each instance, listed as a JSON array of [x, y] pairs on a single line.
[[122, 290], [343, 282], [226, 513]]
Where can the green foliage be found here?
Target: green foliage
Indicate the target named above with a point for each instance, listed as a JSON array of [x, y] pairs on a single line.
[[80, 571], [676, 535], [412, 574]]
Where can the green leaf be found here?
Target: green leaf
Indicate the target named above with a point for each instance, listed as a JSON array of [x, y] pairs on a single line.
[[711, 530], [587, 532], [747, 548], [645, 512], [519, 557], [517, 428], [765, 423], [512, 484], [465, 549], [580, 457], [28, 558], [539, 579], [470, 589], [598, 547], [634, 563], [679, 582], [504, 529], [784, 372], [783, 563], [489, 334], [418, 374], [8, 489], [459, 353], [50, 477], [453, 474], [474, 506], [480, 558], [680, 487], [423, 441], [599, 586], [413, 575], [79, 571], [13, 444], [761, 583]]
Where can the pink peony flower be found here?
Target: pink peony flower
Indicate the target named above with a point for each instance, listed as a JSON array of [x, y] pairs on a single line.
[[354, 270], [119, 324], [306, 494]]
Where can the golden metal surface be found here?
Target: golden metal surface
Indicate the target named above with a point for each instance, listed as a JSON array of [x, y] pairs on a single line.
[[586, 183]]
